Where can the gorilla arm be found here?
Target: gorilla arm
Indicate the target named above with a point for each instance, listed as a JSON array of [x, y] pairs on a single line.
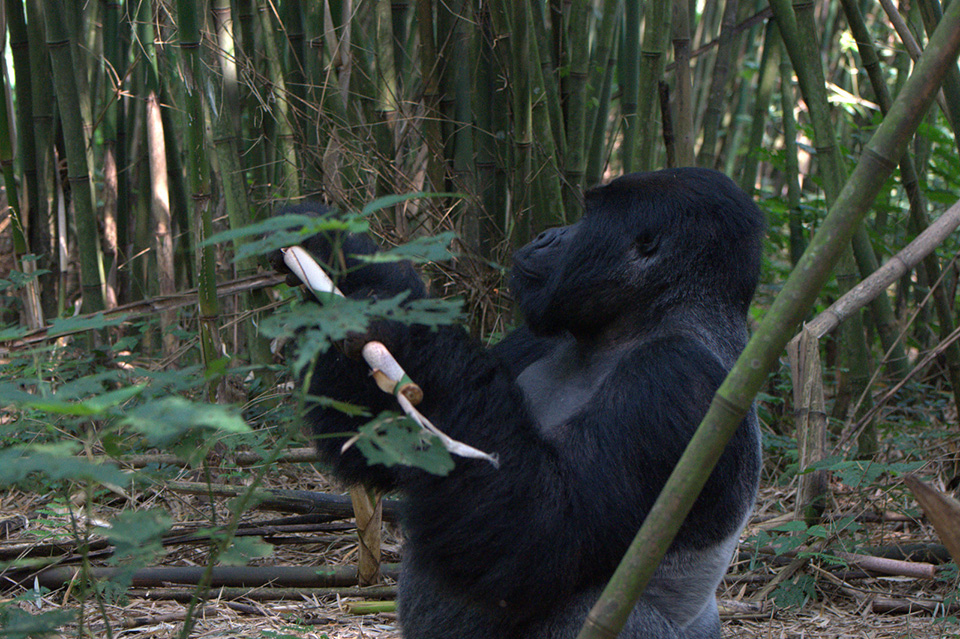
[[561, 510]]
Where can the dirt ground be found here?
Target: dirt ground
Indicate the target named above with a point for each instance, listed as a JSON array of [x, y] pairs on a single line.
[[842, 606]]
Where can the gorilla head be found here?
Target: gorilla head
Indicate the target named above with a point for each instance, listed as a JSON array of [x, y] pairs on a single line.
[[648, 243]]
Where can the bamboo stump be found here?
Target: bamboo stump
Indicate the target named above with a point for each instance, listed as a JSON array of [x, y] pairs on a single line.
[[811, 420], [368, 510]]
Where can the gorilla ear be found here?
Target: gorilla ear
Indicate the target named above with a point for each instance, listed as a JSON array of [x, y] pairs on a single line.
[[645, 244]]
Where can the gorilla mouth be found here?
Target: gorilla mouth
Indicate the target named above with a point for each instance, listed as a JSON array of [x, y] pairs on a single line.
[[528, 273]]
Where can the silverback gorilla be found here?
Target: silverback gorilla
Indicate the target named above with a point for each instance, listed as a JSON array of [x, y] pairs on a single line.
[[633, 316]]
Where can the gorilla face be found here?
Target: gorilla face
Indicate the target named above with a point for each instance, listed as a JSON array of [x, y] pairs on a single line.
[[648, 242]]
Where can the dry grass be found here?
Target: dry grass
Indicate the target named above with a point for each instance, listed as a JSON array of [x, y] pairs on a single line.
[[842, 608]]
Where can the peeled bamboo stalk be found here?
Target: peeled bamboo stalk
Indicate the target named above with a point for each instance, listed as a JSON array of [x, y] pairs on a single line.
[[387, 372]]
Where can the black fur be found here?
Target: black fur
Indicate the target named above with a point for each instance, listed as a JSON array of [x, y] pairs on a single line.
[[634, 316]]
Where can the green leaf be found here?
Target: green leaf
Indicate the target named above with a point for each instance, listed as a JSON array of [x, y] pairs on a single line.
[[17, 624], [54, 462], [341, 316], [243, 549], [317, 326], [431, 248], [165, 421], [392, 440], [344, 407], [80, 324], [392, 200], [795, 593], [97, 405], [10, 333], [137, 535], [792, 526], [282, 231]]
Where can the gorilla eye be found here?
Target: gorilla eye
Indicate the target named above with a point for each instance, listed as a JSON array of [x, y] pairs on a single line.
[[646, 244]]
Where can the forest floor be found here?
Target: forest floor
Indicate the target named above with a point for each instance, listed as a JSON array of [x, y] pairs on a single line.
[[835, 603]]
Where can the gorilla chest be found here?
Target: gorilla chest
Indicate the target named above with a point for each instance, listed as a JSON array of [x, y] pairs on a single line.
[[561, 384]]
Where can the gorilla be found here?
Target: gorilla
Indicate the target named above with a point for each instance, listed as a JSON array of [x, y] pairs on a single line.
[[633, 317]]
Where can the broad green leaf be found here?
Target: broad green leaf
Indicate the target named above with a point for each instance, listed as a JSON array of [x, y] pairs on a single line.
[[96, 405], [137, 535], [392, 200], [243, 549], [80, 324], [390, 440], [165, 421], [19, 624], [51, 462], [432, 248], [286, 230]]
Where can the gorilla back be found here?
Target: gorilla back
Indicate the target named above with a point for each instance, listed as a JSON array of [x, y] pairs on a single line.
[[634, 315]]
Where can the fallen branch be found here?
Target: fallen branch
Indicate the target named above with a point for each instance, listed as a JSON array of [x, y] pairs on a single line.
[[368, 607], [266, 594], [883, 566], [891, 271], [148, 308], [296, 501], [222, 576], [243, 459], [901, 605]]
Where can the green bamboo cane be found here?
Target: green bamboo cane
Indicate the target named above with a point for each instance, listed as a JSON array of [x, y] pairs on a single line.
[[705, 25], [799, 38], [198, 175], [466, 211], [721, 67], [733, 136], [575, 89], [802, 46], [630, 90], [226, 51], [683, 88], [431, 95], [911, 184], [113, 75], [446, 21], [387, 95], [234, 189], [295, 58], [399, 16], [931, 12], [20, 46], [20, 247], [172, 120], [798, 240], [248, 50], [604, 59], [314, 138], [493, 215], [547, 208], [288, 173], [74, 24], [40, 230], [514, 45], [547, 69], [656, 28], [27, 150], [76, 144], [769, 60], [733, 399]]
